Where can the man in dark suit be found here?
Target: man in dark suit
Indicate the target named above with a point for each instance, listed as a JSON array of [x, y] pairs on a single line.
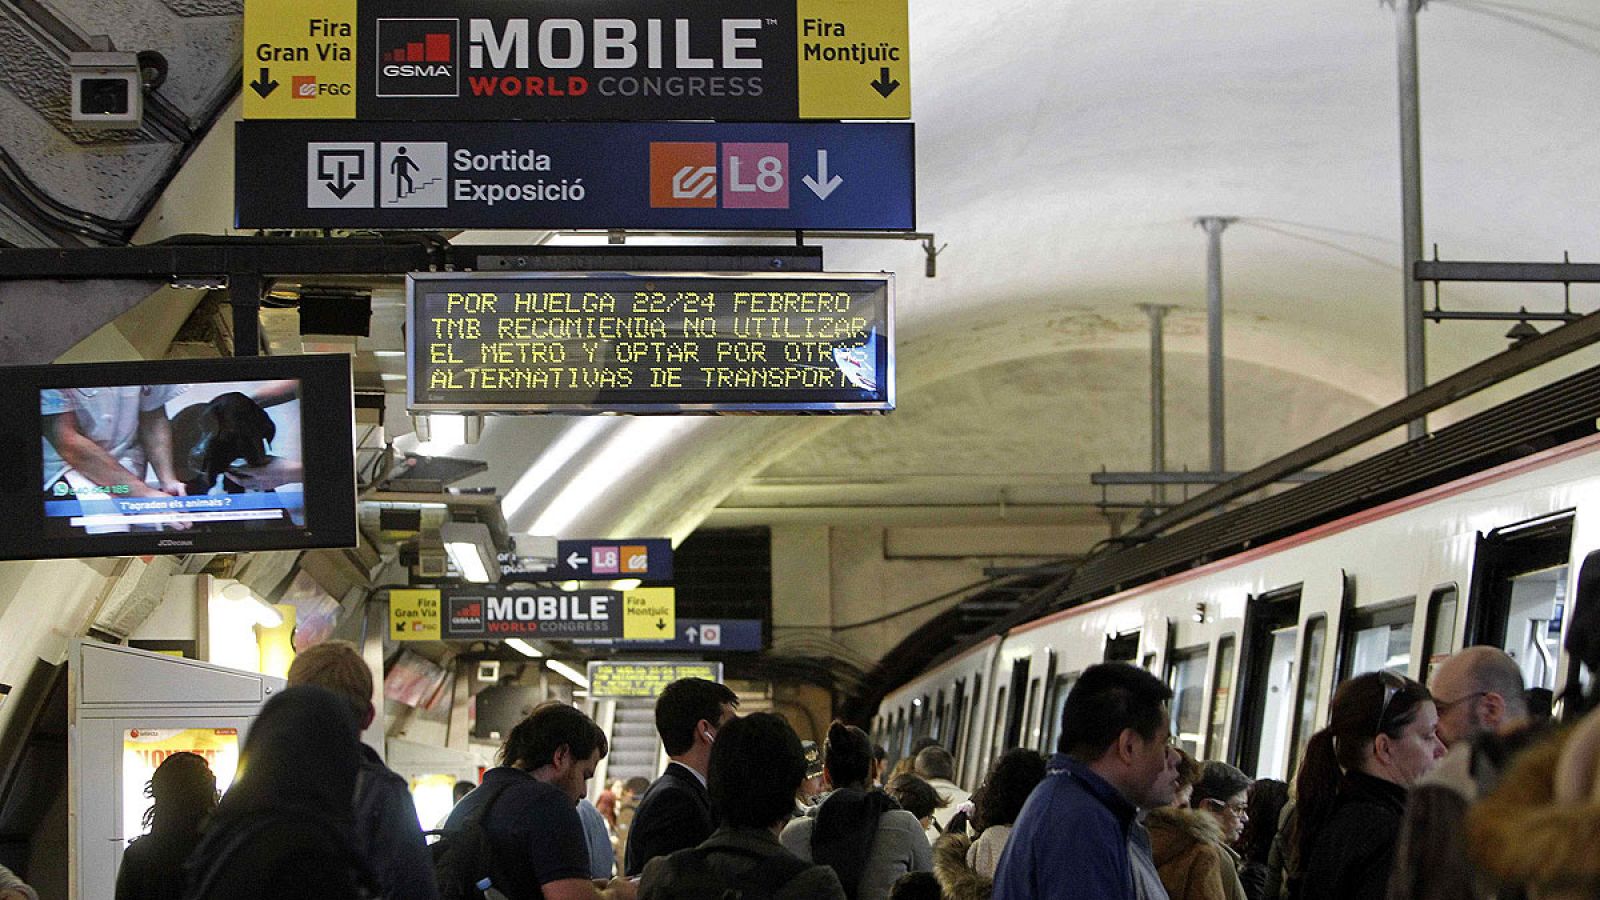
[[675, 813]]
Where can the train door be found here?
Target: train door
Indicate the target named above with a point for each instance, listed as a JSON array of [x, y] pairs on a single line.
[[1519, 594], [1263, 706]]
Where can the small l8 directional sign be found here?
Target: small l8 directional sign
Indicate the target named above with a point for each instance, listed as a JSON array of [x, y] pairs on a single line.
[[647, 559]]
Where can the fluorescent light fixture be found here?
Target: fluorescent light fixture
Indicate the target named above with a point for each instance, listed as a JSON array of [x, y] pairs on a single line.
[[569, 585], [629, 447], [523, 647], [560, 452], [568, 672], [626, 584], [471, 548]]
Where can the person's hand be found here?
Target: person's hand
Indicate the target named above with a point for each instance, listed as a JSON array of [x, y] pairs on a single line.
[[175, 488], [622, 889], [12, 894], [276, 472]]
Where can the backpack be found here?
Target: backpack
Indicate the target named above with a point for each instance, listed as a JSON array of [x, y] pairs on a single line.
[[464, 855], [270, 840], [695, 879]]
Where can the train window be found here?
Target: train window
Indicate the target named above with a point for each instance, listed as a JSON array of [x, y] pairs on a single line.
[[1519, 589], [1019, 697], [1263, 705], [1122, 647], [1440, 634], [1058, 701], [1221, 697], [999, 733], [958, 712], [976, 733], [1377, 638], [1028, 721], [1186, 675], [1310, 679], [1041, 727]]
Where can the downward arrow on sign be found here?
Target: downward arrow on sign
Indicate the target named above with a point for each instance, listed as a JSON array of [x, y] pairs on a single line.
[[822, 185], [884, 85], [266, 84]]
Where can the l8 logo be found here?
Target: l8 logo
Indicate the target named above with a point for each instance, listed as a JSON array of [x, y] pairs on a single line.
[[756, 176]]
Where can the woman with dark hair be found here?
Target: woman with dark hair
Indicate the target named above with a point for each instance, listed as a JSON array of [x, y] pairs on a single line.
[[915, 796], [997, 803], [285, 830], [1350, 793], [862, 834], [184, 792], [1266, 801], [1189, 841]]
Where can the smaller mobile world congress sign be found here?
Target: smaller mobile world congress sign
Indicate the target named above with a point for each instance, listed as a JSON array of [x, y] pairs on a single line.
[[650, 343]]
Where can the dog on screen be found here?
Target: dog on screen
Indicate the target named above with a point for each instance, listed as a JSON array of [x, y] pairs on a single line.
[[209, 438]]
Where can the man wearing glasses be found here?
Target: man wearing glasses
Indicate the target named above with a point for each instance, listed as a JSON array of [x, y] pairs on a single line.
[[1480, 699], [1478, 691]]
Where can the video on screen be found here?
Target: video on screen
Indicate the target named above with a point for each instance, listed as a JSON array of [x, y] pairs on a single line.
[[205, 457]]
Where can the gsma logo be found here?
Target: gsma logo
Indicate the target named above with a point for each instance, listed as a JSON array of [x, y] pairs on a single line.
[[683, 175], [418, 58]]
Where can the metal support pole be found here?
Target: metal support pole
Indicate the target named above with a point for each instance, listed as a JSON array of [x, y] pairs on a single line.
[[1214, 226], [1411, 203], [1158, 394], [244, 295]]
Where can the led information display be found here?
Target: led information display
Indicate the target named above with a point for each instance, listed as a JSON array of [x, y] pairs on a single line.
[[648, 175], [620, 60], [645, 679], [536, 342]]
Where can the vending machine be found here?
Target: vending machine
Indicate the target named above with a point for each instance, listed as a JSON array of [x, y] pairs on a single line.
[[131, 709]]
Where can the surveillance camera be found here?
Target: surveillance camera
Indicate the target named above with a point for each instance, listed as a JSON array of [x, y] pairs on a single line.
[[107, 89]]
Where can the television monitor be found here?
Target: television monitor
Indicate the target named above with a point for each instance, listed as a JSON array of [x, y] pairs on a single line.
[[177, 456]]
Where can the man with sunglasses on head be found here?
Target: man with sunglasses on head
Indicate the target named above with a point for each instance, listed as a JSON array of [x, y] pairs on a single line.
[[1483, 719]]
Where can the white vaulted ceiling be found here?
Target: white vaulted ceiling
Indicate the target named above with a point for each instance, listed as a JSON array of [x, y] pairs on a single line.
[[1064, 152]]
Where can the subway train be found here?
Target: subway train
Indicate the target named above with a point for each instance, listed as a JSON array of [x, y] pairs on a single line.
[[1252, 643]]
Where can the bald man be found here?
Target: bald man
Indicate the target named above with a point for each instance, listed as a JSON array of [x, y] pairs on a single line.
[[1478, 691], [1479, 694]]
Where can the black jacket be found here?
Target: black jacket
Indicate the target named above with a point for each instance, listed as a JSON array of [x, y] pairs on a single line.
[[1353, 851], [152, 866], [674, 814]]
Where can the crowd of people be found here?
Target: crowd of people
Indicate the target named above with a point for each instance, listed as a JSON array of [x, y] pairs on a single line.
[[1461, 791]]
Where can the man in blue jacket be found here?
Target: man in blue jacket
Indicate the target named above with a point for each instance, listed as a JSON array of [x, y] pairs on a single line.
[[1078, 834]]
